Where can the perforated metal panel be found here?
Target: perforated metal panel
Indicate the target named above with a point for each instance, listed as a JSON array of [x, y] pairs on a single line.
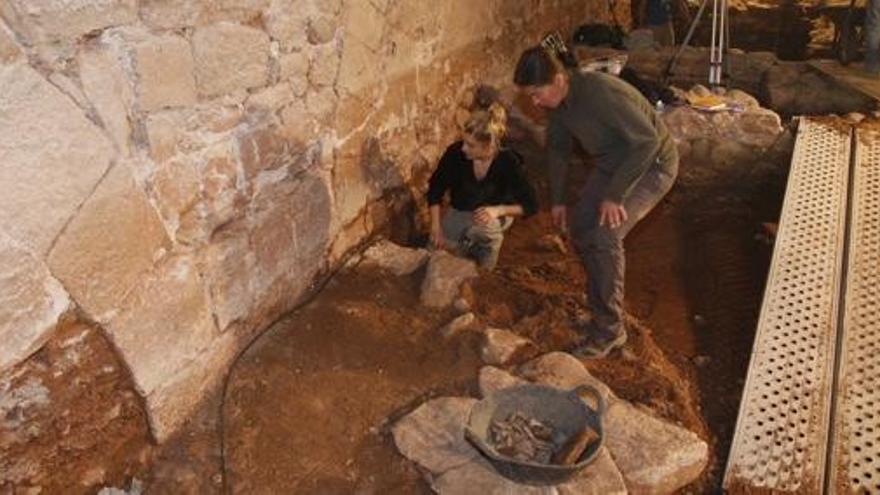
[[855, 463], [780, 442]]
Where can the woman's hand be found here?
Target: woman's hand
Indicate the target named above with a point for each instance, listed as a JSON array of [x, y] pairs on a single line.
[[438, 240], [612, 214], [485, 214]]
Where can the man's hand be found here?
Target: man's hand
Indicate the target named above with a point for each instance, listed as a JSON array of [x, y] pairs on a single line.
[[485, 214], [560, 218], [611, 214]]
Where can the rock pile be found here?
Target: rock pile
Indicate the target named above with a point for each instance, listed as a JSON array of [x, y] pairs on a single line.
[[722, 142], [642, 453]]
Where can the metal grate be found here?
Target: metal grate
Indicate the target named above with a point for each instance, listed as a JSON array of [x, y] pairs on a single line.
[[855, 460], [781, 435]]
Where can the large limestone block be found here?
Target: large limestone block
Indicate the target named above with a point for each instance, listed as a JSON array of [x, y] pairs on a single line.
[[287, 22], [108, 89], [46, 21], [164, 71], [433, 434], [51, 157], [9, 49], [290, 235], [171, 404], [163, 324], [394, 258], [108, 246], [654, 455], [444, 277], [31, 301], [230, 57]]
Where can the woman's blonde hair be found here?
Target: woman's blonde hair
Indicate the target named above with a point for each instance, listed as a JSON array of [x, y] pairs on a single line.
[[487, 125]]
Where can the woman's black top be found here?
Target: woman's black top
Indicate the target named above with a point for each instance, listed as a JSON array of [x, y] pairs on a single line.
[[504, 183]]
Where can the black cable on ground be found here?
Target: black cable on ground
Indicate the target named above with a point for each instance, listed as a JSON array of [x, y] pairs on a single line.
[[317, 289]]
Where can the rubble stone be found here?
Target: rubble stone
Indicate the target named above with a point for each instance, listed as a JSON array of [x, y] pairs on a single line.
[[445, 275], [164, 72], [287, 22], [502, 345], [229, 57], [562, 370], [321, 30], [458, 324], [655, 456], [294, 67], [396, 259], [746, 100], [493, 379], [461, 305]]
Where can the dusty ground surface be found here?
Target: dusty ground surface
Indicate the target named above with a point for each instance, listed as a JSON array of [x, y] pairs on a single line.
[[98, 437], [309, 405]]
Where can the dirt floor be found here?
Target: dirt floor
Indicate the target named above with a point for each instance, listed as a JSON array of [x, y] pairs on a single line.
[[309, 406]]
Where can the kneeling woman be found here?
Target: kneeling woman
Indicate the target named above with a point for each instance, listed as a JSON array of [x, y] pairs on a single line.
[[487, 188]]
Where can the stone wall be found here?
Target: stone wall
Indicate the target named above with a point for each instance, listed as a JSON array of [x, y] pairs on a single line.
[[177, 173]]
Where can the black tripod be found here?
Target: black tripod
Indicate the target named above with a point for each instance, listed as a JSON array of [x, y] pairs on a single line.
[[719, 64]]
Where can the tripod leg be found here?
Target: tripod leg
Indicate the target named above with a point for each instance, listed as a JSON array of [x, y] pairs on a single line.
[[667, 74], [726, 67]]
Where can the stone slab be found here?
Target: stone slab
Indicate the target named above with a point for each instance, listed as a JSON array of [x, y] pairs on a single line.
[[444, 277], [397, 259], [51, 157], [433, 434]]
